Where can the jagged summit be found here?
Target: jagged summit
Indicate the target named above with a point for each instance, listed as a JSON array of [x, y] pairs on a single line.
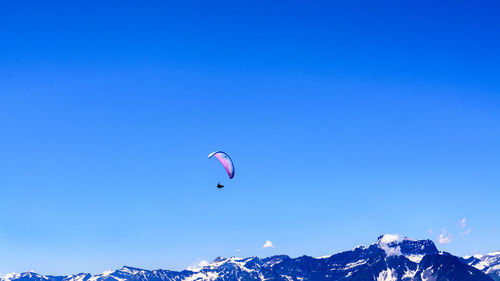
[[219, 259], [489, 263], [406, 245], [130, 269]]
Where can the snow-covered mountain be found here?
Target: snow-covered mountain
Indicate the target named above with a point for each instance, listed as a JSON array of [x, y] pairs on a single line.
[[489, 264], [389, 259]]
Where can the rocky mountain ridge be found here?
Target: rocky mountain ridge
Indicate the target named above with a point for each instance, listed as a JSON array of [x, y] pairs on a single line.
[[389, 259]]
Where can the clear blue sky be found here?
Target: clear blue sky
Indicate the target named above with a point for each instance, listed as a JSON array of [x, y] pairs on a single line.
[[345, 119]]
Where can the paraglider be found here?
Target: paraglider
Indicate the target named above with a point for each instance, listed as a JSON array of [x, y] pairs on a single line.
[[226, 162]]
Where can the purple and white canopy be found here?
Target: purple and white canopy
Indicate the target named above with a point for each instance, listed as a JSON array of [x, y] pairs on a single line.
[[225, 160]]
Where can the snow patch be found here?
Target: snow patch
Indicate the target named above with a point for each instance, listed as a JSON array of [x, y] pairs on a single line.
[[409, 274], [427, 274], [208, 276], [415, 258], [354, 264], [387, 275], [107, 272]]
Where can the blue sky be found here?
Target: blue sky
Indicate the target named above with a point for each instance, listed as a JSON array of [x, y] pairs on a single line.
[[345, 119]]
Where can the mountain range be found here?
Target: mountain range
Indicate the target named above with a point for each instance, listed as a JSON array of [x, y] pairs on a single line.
[[388, 259], [489, 263]]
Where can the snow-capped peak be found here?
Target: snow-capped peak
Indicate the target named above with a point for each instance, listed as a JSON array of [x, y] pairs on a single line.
[[107, 272], [496, 253], [219, 259], [131, 270], [489, 263]]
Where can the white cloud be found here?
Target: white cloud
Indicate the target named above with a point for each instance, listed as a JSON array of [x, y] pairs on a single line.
[[237, 250], [198, 266], [466, 232], [9, 276], [387, 239], [268, 244], [430, 231], [444, 237], [392, 251], [462, 222]]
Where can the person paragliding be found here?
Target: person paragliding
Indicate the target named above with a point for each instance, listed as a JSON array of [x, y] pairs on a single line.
[[226, 162]]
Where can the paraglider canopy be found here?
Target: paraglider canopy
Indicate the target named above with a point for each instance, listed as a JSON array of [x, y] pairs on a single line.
[[225, 160]]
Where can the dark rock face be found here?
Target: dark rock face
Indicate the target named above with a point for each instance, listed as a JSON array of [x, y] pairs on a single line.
[[389, 259], [414, 247]]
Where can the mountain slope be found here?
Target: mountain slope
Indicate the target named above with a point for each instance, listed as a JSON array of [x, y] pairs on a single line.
[[489, 264], [389, 259]]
